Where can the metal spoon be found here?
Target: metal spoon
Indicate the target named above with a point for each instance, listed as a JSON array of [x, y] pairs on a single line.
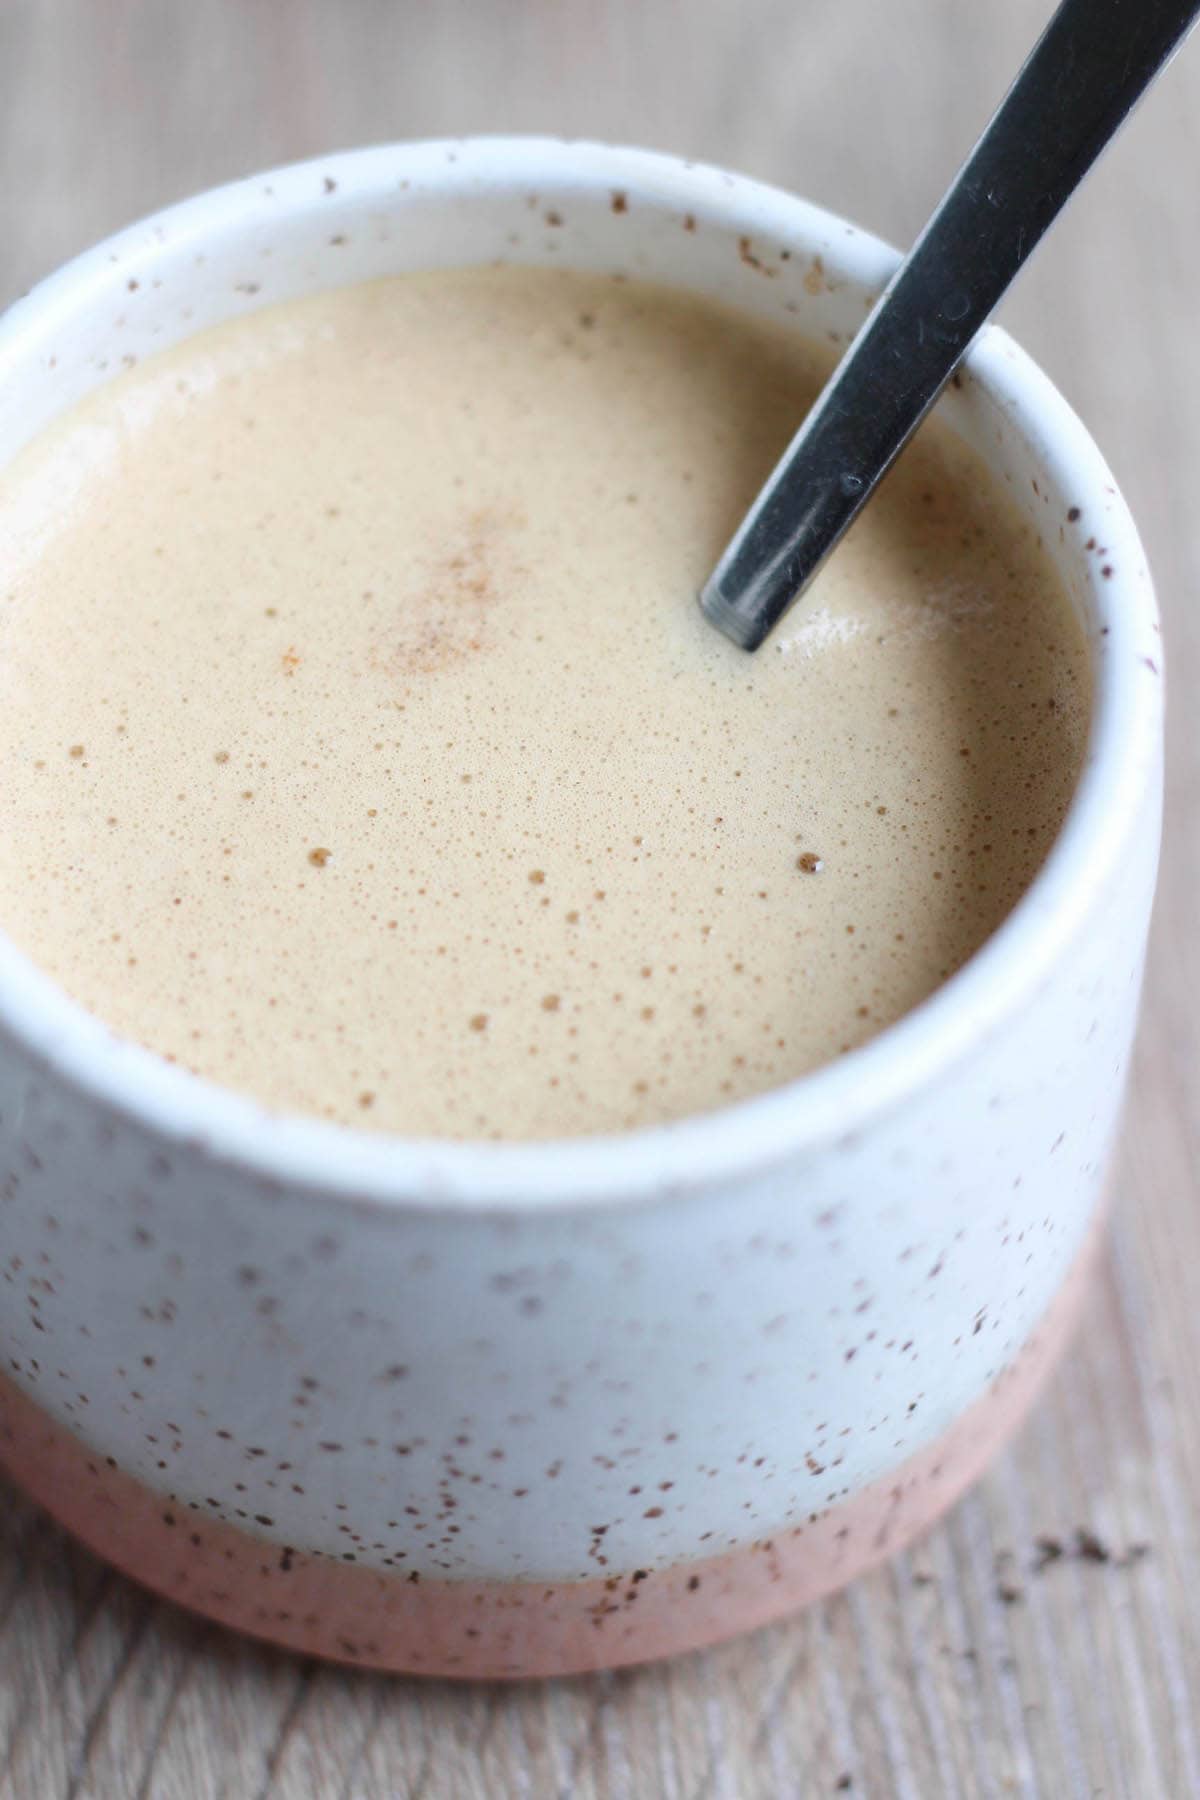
[[1089, 68]]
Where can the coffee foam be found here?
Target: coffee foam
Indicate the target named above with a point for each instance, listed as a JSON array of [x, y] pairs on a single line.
[[365, 748]]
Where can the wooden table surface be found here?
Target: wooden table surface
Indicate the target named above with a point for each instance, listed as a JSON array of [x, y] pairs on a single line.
[[1046, 1639]]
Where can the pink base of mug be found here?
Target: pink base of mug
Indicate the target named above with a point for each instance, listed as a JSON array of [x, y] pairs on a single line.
[[411, 1624]]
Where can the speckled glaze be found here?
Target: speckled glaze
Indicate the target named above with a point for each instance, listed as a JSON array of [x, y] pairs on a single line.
[[523, 1409]]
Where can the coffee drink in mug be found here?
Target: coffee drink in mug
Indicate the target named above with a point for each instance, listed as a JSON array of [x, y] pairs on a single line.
[[411, 790]]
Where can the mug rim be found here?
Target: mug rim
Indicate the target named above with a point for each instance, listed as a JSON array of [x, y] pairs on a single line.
[[834, 1102]]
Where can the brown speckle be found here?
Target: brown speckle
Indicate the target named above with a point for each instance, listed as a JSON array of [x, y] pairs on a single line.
[[1090, 1548], [746, 252], [319, 857], [619, 201]]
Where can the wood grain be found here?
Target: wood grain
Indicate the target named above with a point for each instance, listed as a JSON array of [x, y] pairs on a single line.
[[1044, 1641]]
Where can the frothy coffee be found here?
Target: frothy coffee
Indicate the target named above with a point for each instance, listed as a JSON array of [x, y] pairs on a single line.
[[363, 747]]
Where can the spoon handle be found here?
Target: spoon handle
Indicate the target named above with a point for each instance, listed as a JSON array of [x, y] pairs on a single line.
[[1092, 63]]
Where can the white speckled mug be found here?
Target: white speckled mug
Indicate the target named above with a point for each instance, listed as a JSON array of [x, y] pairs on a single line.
[[532, 1408]]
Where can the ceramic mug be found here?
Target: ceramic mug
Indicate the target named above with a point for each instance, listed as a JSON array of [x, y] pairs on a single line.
[[529, 1408]]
